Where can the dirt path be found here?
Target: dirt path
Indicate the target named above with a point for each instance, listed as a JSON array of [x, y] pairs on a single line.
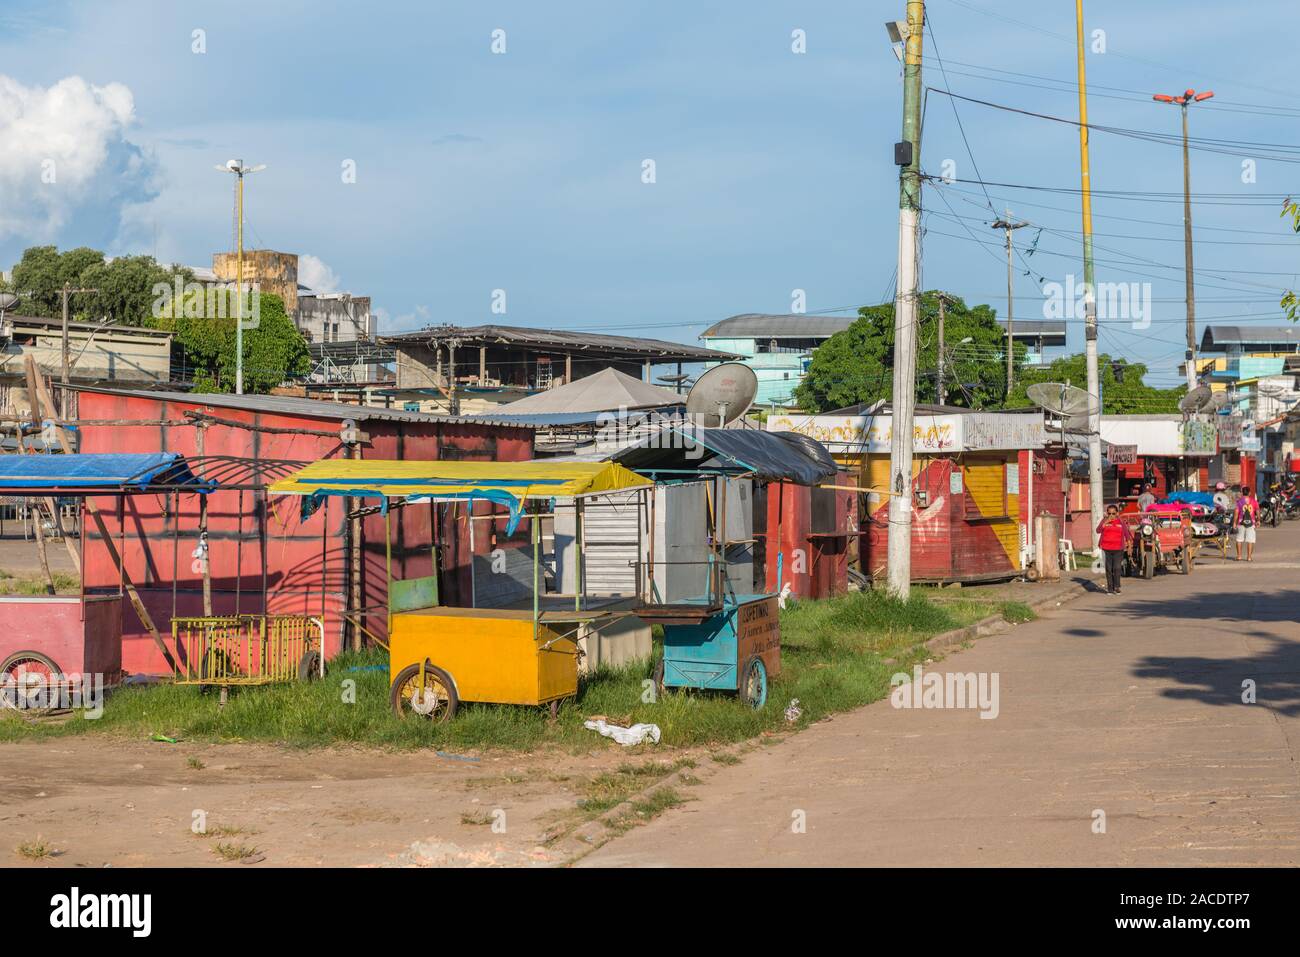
[[102, 802]]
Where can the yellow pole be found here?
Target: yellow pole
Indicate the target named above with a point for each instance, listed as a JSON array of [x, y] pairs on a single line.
[[239, 289], [1096, 493]]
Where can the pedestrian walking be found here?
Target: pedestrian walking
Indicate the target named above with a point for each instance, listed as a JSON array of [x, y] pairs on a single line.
[[1246, 517], [1147, 498], [1115, 538]]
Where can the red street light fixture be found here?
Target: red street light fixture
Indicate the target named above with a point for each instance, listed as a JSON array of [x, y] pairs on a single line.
[[1187, 97]]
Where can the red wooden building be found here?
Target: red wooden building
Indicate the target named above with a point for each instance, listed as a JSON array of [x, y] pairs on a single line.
[[263, 555]]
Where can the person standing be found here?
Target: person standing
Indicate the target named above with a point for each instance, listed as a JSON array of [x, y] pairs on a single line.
[[1147, 498], [1115, 537], [1222, 500], [1246, 517]]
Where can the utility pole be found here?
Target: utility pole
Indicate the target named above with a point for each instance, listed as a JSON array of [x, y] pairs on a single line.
[[907, 155], [67, 365], [240, 170], [939, 385], [1183, 101], [1095, 493], [1008, 226]]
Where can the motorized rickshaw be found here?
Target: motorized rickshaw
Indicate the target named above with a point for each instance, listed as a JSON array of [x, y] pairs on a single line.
[[1160, 540]]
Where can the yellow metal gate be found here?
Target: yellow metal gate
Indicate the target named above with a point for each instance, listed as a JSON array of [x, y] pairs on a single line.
[[247, 649]]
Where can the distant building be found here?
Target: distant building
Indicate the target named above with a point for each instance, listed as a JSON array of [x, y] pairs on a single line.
[[98, 354], [777, 347], [1037, 336], [476, 368]]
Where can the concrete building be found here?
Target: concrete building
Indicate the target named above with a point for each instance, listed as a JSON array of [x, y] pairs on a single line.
[[98, 354], [1037, 336], [777, 347]]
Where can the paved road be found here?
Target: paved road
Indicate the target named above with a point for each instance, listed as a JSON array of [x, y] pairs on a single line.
[[1128, 705]]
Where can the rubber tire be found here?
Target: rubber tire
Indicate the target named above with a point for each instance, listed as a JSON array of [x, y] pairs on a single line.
[[46, 660], [411, 671], [1186, 561], [309, 666], [1149, 565], [742, 686], [1276, 519]]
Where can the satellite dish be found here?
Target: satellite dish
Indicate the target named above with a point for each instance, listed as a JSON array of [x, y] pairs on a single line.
[[1197, 400], [725, 391], [1220, 399], [1061, 399], [7, 301]]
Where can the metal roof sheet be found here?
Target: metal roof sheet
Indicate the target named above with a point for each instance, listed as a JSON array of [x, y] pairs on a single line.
[[592, 343], [773, 326]]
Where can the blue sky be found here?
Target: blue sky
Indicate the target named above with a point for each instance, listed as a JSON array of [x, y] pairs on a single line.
[[522, 171]]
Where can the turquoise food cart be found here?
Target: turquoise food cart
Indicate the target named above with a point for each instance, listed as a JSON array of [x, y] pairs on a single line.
[[735, 648]]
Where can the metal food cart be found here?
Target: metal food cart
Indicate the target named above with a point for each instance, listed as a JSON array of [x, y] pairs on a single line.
[[440, 656]]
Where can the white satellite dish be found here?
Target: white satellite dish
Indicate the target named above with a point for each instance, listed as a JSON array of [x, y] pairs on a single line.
[[1199, 399], [1062, 399], [725, 391], [1220, 399]]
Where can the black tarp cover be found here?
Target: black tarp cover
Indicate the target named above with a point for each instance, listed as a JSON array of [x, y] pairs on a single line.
[[770, 456]]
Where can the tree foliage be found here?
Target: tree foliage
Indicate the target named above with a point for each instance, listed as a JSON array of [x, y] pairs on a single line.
[[273, 351], [1122, 390], [856, 365], [125, 285]]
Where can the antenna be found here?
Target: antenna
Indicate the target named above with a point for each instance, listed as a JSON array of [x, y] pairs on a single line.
[[1062, 399], [725, 391], [1200, 399]]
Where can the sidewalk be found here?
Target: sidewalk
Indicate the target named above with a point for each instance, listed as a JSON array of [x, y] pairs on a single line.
[[1126, 710]]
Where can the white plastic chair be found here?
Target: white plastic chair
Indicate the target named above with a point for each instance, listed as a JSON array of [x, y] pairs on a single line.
[[1068, 560]]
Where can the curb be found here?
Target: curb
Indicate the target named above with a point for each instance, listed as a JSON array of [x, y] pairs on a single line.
[[595, 833]]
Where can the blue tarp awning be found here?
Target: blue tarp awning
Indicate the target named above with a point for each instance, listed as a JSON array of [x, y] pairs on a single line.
[[90, 472]]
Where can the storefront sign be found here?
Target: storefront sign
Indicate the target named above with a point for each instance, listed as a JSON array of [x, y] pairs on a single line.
[[1230, 431], [1199, 438], [1122, 454]]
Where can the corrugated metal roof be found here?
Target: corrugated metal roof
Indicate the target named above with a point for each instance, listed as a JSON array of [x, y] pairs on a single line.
[[317, 408], [772, 326], [591, 343], [1217, 338]]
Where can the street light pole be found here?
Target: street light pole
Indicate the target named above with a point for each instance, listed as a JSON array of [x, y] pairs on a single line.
[[907, 154], [240, 170], [1183, 101]]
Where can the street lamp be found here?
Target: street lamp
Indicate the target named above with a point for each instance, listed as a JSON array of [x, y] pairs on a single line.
[[1184, 100], [239, 169]]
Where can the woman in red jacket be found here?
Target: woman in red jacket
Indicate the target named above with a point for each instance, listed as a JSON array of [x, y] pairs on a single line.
[[1115, 538]]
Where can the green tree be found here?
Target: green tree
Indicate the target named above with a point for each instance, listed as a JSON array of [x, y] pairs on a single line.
[[1122, 390], [205, 343], [126, 284], [856, 365]]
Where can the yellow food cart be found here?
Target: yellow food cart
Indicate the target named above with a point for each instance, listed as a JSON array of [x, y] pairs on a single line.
[[440, 656]]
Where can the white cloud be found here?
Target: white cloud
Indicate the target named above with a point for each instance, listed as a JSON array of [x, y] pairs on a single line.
[[316, 276], [65, 161]]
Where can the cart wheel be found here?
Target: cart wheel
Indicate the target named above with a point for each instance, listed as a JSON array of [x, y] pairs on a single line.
[[439, 702], [27, 673], [657, 676], [1187, 560], [309, 666], [753, 683], [1149, 564]]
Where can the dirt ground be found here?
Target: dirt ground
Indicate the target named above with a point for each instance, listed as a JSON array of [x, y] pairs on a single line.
[[101, 803]]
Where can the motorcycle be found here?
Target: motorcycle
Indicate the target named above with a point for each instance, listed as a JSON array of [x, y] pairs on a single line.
[[1161, 542], [1291, 506], [1271, 509]]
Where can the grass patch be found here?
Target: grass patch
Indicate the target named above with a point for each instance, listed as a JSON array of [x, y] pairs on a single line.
[[1017, 612], [37, 850], [230, 851], [725, 758], [833, 659], [194, 763], [224, 830], [478, 818], [647, 809]]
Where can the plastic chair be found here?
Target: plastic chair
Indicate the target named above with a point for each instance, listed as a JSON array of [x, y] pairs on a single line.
[[1068, 560]]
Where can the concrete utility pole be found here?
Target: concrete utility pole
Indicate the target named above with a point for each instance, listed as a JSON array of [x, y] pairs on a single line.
[[64, 377], [1007, 226], [907, 154], [1095, 493], [1186, 99]]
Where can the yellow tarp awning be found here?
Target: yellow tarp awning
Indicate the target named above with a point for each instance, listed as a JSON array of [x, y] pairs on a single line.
[[506, 483]]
